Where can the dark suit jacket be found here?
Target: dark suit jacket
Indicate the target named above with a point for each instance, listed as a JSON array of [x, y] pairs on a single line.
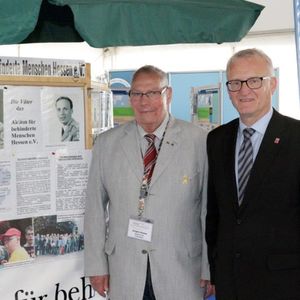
[[254, 249]]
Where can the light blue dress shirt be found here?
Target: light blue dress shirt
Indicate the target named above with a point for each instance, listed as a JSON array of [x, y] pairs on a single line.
[[260, 128]]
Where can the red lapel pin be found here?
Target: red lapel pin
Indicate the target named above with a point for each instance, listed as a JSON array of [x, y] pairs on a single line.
[[277, 140]]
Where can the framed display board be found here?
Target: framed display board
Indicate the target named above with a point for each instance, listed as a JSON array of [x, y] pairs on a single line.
[[45, 151]]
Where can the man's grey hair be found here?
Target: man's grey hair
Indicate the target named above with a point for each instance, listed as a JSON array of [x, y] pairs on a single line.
[[149, 69], [251, 53]]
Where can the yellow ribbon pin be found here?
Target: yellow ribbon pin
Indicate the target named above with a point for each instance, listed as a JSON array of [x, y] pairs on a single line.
[[185, 179]]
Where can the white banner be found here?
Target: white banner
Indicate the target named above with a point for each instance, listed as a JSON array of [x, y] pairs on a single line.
[[25, 66], [44, 170]]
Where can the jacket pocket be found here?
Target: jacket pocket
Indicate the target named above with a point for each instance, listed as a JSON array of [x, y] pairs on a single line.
[[283, 261], [109, 247], [195, 248]]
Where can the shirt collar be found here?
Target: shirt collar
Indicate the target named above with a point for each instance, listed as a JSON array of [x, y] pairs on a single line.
[[158, 132], [261, 125]]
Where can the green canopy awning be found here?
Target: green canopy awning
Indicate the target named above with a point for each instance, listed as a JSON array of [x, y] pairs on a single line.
[[110, 23]]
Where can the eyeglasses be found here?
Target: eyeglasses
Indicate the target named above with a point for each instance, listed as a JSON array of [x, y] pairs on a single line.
[[152, 95], [253, 83]]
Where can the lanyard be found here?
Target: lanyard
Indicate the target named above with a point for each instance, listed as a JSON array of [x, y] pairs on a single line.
[[145, 183]]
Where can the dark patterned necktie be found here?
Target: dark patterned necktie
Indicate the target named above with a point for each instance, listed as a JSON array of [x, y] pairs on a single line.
[[149, 157], [245, 162]]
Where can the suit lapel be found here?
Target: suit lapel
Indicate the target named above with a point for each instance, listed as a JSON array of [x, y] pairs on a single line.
[[169, 147], [229, 161], [268, 151], [131, 149]]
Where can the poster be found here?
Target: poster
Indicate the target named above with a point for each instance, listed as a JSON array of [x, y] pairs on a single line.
[[22, 118], [102, 111], [42, 201], [44, 168], [34, 118], [206, 104], [120, 83]]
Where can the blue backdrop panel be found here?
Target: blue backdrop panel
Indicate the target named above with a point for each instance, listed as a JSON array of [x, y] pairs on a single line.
[[123, 75], [182, 83]]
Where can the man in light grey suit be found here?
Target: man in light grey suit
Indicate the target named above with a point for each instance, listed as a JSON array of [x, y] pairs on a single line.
[[145, 239]]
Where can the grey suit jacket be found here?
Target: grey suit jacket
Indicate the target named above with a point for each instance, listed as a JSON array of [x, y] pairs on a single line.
[[177, 206]]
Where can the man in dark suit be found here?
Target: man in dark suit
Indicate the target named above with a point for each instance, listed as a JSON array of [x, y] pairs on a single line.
[[253, 221]]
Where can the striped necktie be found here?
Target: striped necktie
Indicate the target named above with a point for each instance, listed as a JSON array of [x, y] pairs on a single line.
[[149, 157], [245, 162]]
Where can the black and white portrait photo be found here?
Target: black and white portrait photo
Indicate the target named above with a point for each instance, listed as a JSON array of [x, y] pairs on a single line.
[[70, 127], [63, 116]]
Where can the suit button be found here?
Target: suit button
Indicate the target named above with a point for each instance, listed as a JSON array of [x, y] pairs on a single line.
[[239, 221], [237, 255], [144, 251]]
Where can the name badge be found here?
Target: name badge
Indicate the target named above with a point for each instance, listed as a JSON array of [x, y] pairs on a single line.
[[140, 229]]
